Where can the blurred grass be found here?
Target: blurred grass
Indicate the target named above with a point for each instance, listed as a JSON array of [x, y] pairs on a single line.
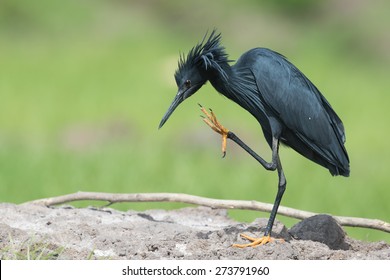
[[83, 87]]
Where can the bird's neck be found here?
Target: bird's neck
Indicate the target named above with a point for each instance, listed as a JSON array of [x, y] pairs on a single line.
[[237, 84], [228, 83], [221, 80]]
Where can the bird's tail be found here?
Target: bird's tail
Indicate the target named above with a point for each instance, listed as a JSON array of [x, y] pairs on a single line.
[[333, 157], [339, 165]]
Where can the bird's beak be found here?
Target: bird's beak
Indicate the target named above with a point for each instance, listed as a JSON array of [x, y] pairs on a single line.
[[176, 101], [181, 95]]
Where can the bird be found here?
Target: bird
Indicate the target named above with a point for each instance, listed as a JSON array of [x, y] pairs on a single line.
[[288, 106]]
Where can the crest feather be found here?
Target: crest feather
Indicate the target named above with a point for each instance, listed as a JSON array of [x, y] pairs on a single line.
[[208, 54]]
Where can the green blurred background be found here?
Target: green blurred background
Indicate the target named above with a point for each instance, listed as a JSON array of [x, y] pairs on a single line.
[[84, 84]]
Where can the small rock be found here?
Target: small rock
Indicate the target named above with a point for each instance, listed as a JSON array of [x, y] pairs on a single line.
[[321, 228]]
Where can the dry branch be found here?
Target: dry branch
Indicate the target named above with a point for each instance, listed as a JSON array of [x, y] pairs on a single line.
[[213, 203]]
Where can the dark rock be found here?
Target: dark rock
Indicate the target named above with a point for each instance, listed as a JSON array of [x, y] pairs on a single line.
[[321, 228]]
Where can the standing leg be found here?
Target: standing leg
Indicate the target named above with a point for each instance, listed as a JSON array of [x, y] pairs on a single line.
[[281, 188], [212, 121]]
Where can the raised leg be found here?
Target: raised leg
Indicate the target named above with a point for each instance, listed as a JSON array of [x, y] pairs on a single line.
[[212, 121]]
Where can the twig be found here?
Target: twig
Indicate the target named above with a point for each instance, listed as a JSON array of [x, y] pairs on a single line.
[[213, 203]]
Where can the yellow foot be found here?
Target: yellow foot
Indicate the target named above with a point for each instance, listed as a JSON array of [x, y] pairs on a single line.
[[256, 241], [211, 121]]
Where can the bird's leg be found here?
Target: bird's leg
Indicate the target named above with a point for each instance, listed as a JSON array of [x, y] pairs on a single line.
[[211, 121], [267, 234], [281, 188]]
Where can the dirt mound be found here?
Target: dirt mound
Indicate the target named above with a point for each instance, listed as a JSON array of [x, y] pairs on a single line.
[[188, 233]]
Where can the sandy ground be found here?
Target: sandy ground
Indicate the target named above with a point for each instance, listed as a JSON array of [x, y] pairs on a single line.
[[189, 233]]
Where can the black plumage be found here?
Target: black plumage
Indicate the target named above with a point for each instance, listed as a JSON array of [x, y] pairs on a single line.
[[288, 106]]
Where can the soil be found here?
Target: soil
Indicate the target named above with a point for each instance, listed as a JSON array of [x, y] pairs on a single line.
[[66, 232]]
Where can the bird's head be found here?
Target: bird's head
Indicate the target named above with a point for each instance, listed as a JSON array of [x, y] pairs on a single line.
[[193, 69]]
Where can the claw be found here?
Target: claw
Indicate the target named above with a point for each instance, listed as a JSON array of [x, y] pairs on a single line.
[[256, 241], [211, 120]]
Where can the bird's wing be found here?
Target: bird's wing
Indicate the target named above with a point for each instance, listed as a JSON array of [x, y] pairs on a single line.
[[295, 101]]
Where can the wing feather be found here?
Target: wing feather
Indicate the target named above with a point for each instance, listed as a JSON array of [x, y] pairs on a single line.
[[290, 96]]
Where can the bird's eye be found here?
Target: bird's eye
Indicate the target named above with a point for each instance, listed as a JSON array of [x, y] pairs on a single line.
[[187, 83]]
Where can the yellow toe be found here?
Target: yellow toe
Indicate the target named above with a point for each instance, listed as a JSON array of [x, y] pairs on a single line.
[[256, 241]]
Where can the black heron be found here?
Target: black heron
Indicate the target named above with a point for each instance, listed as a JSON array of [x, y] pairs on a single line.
[[288, 106]]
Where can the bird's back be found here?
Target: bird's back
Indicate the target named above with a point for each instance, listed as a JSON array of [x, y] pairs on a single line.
[[306, 120]]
